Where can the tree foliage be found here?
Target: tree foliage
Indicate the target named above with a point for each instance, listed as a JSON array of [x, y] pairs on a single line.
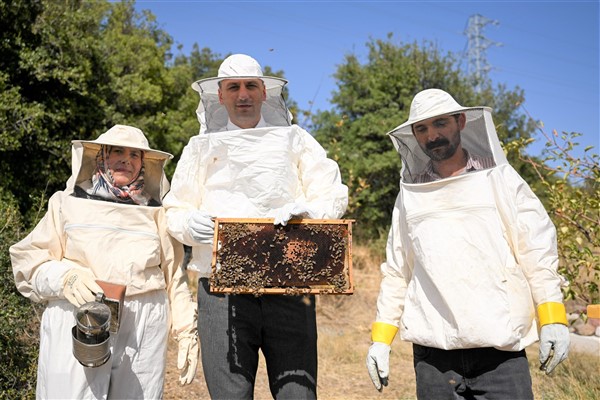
[[71, 70], [18, 331], [572, 186], [374, 97]]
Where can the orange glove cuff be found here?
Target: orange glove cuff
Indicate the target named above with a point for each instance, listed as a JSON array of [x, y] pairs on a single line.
[[552, 313], [382, 332]]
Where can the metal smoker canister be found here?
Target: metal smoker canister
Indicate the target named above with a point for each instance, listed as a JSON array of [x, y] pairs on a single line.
[[91, 344]]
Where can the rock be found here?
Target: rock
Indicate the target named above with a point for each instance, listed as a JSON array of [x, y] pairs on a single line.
[[577, 323], [572, 317], [584, 344], [585, 329]]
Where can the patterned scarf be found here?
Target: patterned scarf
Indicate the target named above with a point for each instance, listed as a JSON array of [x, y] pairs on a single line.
[[103, 183]]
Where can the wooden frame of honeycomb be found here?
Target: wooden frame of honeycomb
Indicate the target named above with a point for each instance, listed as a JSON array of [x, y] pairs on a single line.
[[251, 255]]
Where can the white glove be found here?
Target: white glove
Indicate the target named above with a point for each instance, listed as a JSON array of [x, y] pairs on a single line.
[[554, 346], [201, 227], [283, 214], [79, 286], [378, 364], [187, 358]]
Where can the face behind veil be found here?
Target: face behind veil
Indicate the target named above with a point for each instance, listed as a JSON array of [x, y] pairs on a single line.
[[89, 169], [478, 137], [104, 186]]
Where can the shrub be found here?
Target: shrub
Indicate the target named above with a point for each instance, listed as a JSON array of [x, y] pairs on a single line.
[[19, 338], [572, 185]]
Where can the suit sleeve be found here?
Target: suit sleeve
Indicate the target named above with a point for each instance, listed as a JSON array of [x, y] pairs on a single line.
[[395, 275], [326, 195], [183, 306], [185, 195], [35, 259]]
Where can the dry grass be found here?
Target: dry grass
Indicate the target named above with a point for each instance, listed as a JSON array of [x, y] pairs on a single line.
[[344, 337]]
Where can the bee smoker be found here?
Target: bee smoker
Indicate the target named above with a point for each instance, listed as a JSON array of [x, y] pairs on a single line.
[[91, 345]]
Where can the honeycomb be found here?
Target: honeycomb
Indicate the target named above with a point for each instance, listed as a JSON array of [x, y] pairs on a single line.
[[305, 256]]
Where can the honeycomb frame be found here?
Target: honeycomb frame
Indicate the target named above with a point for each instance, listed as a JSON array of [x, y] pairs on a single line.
[[254, 256]]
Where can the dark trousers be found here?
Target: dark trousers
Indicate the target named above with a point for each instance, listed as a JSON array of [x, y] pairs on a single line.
[[233, 328], [484, 373]]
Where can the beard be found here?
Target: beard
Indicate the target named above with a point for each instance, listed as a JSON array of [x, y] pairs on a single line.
[[443, 148]]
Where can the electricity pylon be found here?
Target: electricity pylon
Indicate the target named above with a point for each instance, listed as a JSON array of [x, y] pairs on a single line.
[[478, 67]]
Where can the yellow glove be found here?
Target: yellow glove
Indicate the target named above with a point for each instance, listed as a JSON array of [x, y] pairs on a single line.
[[554, 346], [378, 357], [378, 364], [554, 335], [187, 357]]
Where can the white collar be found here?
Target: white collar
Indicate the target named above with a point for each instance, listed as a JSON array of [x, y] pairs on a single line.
[[233, 127]]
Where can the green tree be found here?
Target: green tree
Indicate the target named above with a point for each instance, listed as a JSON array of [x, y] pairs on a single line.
[[68, 70], [72, 69], [373, 98], [43, 85], [180, 121], [572, 185], [18, 330]]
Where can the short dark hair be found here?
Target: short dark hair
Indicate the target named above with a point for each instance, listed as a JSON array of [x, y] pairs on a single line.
[[456, 116]]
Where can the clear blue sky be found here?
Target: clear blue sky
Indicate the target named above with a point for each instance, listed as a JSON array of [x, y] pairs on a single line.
[[548, 48]]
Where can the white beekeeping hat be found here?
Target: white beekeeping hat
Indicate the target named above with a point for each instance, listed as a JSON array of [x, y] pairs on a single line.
[[213, 116], [478, 136]]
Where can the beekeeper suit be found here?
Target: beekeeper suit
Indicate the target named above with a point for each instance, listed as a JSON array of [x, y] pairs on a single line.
[[266, 168], [471, 257], [79, 241]]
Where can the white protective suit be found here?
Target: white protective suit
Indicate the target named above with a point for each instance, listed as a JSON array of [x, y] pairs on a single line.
[[120, 243], [249, 173], [468, 257]]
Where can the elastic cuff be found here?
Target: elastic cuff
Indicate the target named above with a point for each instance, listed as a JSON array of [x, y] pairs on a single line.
[[552, 313], [382, 332], [48, 278]]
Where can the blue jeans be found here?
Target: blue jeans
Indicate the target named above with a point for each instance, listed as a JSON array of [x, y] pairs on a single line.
[[233, 328], [483, 373]]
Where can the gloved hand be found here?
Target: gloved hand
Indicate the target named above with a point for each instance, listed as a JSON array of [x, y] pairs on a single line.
[[201, 227], [79, 286], [283, 214], [187, 357], [378, 364], [554, 346]]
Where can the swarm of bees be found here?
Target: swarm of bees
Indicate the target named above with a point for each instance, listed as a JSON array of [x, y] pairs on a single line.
[[258, 257]]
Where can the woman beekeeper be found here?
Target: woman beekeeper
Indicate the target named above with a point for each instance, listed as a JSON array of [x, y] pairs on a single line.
[[471, 257], [108, 225]]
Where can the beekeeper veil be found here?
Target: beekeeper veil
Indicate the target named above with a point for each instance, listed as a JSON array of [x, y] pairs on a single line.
[[478, 137], [84, 159], [213, 116]]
